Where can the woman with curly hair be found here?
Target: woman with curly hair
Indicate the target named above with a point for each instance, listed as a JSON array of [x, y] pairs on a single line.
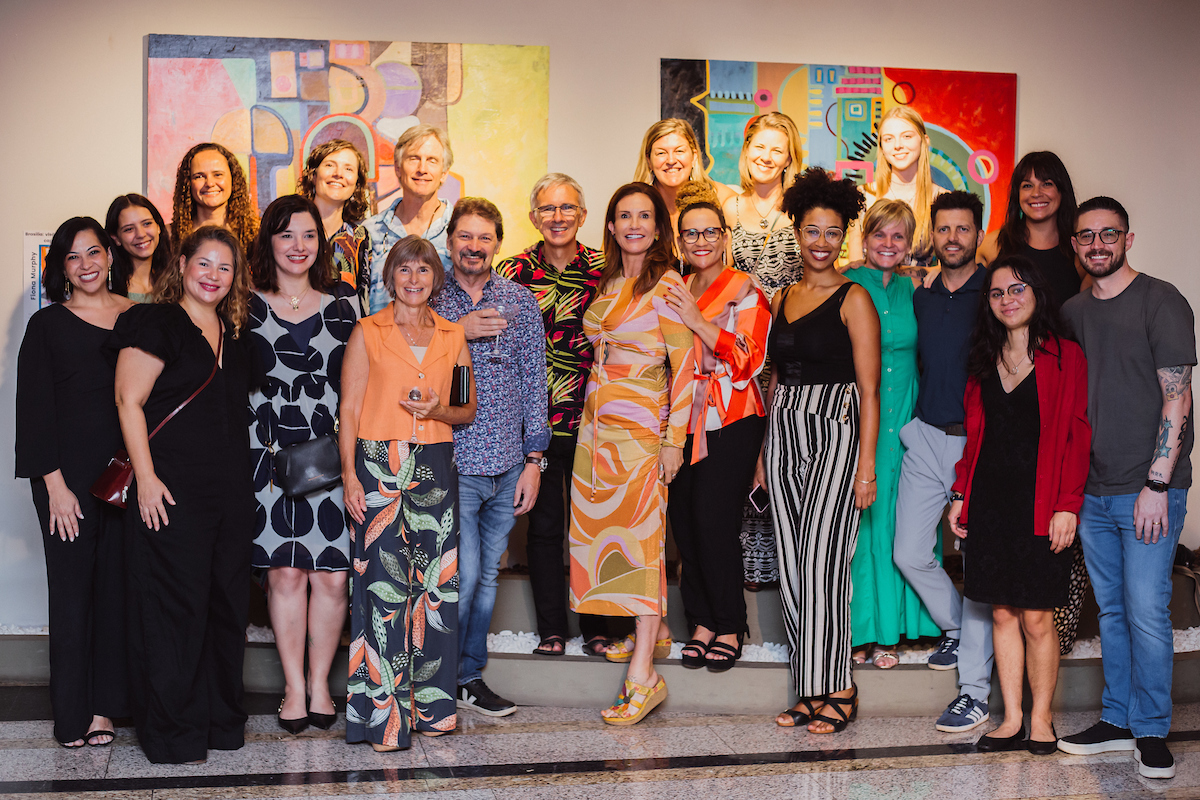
[[191, 510], [211, 189], [141, 246], [819, 460], [335, 179]]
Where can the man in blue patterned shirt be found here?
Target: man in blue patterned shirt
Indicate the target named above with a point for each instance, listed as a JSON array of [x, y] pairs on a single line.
[[499, 455]]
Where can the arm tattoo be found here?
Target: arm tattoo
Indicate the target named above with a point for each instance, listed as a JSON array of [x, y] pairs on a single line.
[[913, 272], [1162, 449], [1174, 380], [1183, 428]]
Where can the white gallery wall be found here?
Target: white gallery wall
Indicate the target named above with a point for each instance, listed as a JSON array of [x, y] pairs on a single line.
[[1112, 86]]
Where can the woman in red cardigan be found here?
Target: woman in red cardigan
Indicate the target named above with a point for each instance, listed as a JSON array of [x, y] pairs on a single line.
[[1019, 488]]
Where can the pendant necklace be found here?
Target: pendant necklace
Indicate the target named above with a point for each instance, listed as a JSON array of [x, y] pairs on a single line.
[[295, 300], [763, 223]]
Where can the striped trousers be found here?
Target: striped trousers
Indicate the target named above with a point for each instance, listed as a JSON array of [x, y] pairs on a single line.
[[811, 459]]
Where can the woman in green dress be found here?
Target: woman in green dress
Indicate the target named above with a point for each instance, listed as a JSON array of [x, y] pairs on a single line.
[[883, 607]]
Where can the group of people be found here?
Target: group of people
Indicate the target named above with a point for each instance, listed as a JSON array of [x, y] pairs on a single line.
[[798, 376]]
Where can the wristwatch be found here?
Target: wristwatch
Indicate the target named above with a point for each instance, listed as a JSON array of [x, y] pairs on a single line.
[[1156, 486], [542, 462]]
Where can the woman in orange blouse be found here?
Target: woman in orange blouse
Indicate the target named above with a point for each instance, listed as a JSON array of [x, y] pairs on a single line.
[[401, 489], [631, 442], [730, 318]]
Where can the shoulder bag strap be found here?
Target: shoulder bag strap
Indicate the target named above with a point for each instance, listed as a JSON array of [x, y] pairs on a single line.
[[178, 408]]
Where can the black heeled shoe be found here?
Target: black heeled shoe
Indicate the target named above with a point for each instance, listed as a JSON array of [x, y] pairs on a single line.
[[322, 721], [729, 656], [839, 706], [1001, 744], [292, 726], [690, 661]]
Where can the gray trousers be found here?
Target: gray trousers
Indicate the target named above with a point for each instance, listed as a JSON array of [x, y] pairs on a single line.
[[926, 475]]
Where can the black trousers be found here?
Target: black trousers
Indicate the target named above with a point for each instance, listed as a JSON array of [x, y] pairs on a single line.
[[86, 583], [544, 547], [705, 507], [189, 588]]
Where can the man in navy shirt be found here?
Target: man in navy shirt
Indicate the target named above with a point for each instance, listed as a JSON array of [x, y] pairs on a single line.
[[934, 442]]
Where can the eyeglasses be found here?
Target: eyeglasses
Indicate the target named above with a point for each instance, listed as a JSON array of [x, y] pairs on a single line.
[[692, 235], [568, 210], [812, 233], [1107, 235], [1015, 291]]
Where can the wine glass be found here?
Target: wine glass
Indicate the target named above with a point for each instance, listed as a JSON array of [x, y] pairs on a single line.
[[414, 394], [509, 314]]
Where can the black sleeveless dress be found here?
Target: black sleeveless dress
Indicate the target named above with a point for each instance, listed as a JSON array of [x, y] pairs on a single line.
[[1005, 562]]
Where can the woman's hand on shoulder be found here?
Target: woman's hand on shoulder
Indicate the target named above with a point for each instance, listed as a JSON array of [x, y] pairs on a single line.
[[153, 497], [680, 299]]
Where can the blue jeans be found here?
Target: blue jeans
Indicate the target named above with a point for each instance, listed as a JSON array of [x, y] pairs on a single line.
[[485, 509], [1132, 583]]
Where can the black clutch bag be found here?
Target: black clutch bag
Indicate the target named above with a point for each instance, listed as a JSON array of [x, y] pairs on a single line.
[[308, 466], [460, 386]]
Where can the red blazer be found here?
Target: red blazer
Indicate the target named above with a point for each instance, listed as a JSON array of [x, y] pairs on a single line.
[[1064, 446]]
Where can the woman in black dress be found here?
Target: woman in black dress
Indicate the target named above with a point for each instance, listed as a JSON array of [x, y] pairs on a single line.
[[66, 432], [1022, 484], [188, 534]]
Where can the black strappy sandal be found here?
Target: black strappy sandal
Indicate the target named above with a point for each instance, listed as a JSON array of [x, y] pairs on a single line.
[[839, 706], [694, 661], [596, 646], [800, 718], [727, 655], [548, 645]]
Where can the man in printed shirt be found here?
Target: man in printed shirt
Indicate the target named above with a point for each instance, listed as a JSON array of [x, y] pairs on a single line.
[[500, 455], [563, 275]]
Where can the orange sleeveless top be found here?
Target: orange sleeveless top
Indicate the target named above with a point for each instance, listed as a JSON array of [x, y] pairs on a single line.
[[395, 370]]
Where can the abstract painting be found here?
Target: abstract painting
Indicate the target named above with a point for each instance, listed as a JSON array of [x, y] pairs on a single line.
[[271, 101], [971, 117]]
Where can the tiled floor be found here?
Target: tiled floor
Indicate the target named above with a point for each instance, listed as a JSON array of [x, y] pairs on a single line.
[[556, 753]]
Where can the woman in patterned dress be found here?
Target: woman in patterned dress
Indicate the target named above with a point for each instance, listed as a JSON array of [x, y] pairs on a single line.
[[401, 489], [764, 246], [300, 320], [631, 441]]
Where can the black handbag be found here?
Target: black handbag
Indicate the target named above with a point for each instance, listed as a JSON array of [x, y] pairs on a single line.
[[460, 386], [308, 466]]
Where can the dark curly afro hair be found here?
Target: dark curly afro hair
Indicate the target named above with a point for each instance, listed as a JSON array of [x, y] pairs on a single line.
[[816, 188]]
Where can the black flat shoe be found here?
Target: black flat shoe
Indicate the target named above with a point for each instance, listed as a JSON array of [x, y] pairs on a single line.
[[292, 726], [322, 721], [1000, 744], [1044, 748]]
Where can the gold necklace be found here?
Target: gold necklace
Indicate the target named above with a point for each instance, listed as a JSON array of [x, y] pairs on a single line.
[[295, 300], [762, 223]]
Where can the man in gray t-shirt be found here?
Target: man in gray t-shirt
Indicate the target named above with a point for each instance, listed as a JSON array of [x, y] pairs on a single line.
[[1139, 338]]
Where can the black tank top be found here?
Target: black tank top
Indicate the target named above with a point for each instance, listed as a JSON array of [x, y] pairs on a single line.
[[816, 348], [1059, 270]]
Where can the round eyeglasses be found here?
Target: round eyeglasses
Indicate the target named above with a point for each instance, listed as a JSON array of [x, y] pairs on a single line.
[[692, 235], [812, 233]]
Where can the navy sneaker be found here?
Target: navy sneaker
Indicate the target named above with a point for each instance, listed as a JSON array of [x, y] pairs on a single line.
[[476, 695], [1153, 758], [963, 714], [1103, 737], [946, 655]]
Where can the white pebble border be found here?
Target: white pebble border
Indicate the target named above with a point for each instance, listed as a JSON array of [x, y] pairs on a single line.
[[1186, 641]]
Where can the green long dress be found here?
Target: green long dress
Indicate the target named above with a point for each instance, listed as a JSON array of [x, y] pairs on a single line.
[[883, 607]]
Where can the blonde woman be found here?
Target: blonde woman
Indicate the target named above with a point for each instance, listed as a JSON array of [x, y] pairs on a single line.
[[670, 157], [764, 246], [901, 173]]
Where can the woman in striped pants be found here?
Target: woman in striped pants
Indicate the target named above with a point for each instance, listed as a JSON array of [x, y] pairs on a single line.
[[819, 459]]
